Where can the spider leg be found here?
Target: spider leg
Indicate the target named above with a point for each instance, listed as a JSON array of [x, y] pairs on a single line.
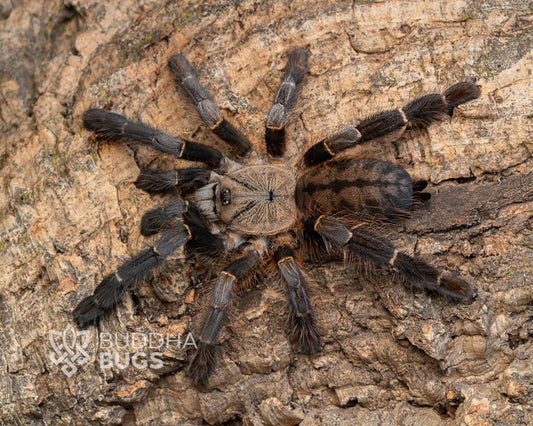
[[331, 146], [170, 215], [419, 113], [418, 187], [204, 359], [301, 316], [187, 79], [164, 217], [114, 126], [108, 292], [202, 240], [156, 180], [367, 246], [283, 100]]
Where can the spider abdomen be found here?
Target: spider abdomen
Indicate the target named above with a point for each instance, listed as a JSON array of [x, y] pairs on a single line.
[[362, 188]]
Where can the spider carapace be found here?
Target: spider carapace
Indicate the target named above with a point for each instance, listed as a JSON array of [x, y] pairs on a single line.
[[254, 200], [252, 212]]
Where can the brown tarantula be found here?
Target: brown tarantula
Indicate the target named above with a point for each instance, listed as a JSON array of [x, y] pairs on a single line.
[[256, 211]]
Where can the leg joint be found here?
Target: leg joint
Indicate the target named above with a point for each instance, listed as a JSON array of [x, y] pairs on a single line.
[[229, 274], [317, 222], [286, 258], [327, 148], [188, 229], [393, 258]]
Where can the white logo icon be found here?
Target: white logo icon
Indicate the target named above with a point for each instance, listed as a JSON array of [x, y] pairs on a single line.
[[68, 350]]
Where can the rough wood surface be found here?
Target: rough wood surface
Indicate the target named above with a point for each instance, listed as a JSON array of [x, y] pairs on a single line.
[[69, 212]]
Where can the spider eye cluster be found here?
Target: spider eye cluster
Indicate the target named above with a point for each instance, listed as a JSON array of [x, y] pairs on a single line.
[[225, 197]]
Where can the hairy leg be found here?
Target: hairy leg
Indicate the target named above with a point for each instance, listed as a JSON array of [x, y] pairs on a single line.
[[367, 246], [301, 316], [420, 113], [187, 79], [114, 126], [204, 359], [108, 292], [156, 180], [283, 100]]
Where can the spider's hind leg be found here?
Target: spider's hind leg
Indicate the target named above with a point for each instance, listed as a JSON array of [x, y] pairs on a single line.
[[331, 146], [367, 246], [304, 330], [420, 113]]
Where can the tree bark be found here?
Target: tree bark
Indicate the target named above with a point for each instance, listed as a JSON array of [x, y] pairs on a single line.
[[70, 214]]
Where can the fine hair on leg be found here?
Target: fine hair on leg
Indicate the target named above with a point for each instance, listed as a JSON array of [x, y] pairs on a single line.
[[187, 79], [369, 247], [110, 125], [284, 100], [304, 331], [108, 292], [203, 361]]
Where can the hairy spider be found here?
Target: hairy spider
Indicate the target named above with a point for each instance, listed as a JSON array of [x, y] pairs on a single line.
[[256, 212]]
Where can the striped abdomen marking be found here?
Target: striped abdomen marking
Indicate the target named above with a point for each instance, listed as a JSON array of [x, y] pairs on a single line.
[[364, 187]]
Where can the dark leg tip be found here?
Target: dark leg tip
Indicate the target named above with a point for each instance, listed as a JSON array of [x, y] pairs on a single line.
[[420, 185], [157, 220], [422, 196], [154, 181], [297, 63], [457, 289], [202, 363], [180, 66], [87, 312], [305, 334], [105, 296], [100, 120], [461, 93]]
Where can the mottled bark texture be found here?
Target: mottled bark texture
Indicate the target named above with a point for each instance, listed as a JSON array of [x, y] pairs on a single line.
[[70, 212]]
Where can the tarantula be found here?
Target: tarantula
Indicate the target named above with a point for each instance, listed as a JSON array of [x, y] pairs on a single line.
[[258, 211]]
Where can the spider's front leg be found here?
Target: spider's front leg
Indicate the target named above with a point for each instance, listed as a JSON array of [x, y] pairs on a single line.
[[157, 180], [171, 214], [367, 246], [168, 218], [204, 359], [284, 100], [187, 79], [419, 114], [109, 125], [304, 330]]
